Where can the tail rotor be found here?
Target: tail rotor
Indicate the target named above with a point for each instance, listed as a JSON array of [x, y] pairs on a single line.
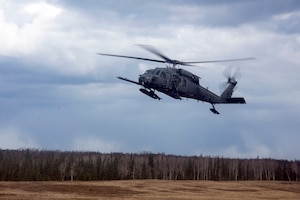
[[231, 77]]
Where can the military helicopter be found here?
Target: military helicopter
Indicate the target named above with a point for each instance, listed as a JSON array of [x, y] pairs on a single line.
[[179, 83]]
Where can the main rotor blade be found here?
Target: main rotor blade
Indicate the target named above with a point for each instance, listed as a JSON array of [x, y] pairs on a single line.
[[159, 54], [176, 62], [156, 52], [153, 60], [213, 61]]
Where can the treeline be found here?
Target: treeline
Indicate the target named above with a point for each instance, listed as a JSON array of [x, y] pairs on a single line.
[[38, 165]]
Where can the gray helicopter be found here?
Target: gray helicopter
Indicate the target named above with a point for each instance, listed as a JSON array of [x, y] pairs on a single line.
[[178, 83]]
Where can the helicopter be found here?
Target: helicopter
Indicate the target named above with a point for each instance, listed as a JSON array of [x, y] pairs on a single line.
[[179, 83]]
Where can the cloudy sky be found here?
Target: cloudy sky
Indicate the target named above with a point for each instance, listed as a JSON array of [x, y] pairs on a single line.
[[56, 93]]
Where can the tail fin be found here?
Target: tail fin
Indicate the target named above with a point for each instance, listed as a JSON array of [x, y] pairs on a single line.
[[229, 89]]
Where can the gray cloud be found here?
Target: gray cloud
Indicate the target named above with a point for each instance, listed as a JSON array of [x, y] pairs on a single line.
[[57, 93]]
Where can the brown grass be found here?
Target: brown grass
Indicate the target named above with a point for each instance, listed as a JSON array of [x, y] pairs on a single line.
[[150, 189]]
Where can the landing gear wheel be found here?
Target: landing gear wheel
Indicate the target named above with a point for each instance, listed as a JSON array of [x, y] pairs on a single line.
[[214, 110]]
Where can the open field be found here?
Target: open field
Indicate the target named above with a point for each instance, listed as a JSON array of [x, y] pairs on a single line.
[[150, 189]]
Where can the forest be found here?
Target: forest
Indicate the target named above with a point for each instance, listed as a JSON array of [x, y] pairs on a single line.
[[42, 165]]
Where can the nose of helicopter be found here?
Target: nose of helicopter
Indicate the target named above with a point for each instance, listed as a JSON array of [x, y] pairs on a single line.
[[146, 79]]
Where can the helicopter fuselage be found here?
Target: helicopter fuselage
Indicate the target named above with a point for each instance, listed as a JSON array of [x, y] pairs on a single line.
[[177, 83]]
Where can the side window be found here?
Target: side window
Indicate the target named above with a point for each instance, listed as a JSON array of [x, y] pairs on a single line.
[[163, 74], [157, 72], [184, 82]]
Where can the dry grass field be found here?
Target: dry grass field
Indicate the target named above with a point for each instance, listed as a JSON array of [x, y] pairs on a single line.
[[150, 189]]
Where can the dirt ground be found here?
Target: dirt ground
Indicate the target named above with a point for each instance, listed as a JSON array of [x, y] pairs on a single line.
[[150, 189]]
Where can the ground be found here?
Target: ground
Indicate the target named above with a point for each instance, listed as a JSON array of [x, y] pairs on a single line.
[[150, 189]]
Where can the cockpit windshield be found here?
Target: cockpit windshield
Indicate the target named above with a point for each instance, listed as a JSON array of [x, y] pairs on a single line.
[[153, 71], [149, 71], [157, 72]]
